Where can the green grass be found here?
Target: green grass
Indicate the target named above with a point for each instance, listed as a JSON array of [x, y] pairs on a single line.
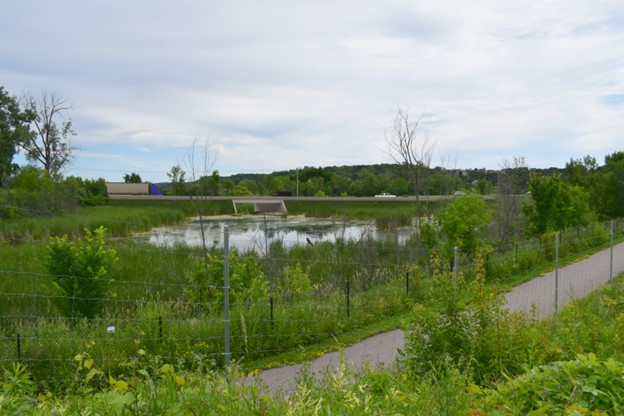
[[119, 221], [150, 287], [560, 382]]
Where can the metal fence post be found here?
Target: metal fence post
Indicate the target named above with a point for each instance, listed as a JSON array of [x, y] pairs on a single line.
[[226, 291], [455, 275], [611, 254], [556, 273], [348, 299], [407, 283]]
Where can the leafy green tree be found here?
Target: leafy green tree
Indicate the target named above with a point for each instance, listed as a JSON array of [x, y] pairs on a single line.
[[50, 146], [556, 206], [132, 178], [579, 171], [484, 187], [613, 183], [35, 193], [206, 276], [228, 187], [14, 129], [241, 190], [214, 183], [80, 272], [463, 222], [178, 184], [283, 184], [91, 192]]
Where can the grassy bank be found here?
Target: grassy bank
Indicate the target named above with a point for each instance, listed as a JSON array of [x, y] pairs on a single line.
[[553, 377], [317, 293]]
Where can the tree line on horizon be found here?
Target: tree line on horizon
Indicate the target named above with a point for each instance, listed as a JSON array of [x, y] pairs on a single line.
[[39, 127]]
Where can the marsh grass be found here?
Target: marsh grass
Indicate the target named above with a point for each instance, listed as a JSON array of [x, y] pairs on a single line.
[[119, 221], [148, 305], [583, 384]]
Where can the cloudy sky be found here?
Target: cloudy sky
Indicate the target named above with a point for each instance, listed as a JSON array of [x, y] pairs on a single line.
[[281, 84]]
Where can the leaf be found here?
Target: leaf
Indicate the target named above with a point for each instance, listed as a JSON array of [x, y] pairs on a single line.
[[179, 380], [166, 369], [121, 386], [91, 374]]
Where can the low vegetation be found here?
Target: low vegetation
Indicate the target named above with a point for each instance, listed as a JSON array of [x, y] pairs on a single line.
[[510, 365], [90, 315]]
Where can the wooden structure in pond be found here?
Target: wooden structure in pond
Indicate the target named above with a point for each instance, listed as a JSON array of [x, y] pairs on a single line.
[[263, 206]]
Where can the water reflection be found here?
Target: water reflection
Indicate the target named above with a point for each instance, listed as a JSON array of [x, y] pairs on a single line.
[[256, 232]]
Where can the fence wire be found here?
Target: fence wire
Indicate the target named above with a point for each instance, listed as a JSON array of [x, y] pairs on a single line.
[[348, 287]]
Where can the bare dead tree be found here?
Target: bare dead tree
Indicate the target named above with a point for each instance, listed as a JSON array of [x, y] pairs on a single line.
[[50, 145], [199, 161], [414, 153]]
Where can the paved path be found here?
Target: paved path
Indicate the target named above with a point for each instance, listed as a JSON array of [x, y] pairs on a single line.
[[574, 281]]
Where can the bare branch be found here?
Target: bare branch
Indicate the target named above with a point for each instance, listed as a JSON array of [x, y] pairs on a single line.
[[406, 149], [50, 146]]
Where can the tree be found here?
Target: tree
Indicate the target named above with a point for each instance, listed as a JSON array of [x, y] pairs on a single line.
[[14, 129], [199, 161], [463, 221], [132, 178], [50, 145], [176, 175], [406, 149], [614, 185], [35, 193], [579, 171], [556, 206]]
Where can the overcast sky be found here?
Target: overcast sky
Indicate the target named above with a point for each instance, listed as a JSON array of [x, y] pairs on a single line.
[[277, 85]]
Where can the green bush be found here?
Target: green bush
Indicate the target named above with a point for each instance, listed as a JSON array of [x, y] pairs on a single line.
[[575, 387], [468, 325], [79, 269], [206, 277]]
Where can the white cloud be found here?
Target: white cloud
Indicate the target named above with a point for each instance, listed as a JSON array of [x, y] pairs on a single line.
[[288, 84]]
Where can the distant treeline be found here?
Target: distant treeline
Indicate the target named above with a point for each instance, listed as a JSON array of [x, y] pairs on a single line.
[[358, 180]]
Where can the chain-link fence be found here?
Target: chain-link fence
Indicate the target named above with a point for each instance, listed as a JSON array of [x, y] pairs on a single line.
[[310, 294]]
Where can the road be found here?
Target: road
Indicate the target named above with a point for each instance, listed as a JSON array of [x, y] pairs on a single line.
[[573, 281], [423, 198]]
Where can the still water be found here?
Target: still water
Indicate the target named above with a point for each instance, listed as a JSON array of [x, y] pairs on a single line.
[[253, 232]]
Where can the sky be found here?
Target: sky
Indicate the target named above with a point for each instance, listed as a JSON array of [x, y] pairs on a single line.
[[271, 85]]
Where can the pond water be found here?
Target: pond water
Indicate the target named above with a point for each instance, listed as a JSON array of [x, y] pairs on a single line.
[[253, 232]]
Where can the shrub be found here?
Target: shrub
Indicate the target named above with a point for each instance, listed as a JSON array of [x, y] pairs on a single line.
[[469, 326], [574, 387], [80, 284], [206, 277]]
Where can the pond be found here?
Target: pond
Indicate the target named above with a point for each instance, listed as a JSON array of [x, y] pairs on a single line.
[[254, 232]]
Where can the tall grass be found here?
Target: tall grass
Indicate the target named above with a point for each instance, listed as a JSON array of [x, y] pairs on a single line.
[[355, 283], [119, 221], [172, 328]]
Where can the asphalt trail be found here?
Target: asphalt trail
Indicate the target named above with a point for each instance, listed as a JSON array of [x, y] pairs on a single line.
[[573, 281]]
